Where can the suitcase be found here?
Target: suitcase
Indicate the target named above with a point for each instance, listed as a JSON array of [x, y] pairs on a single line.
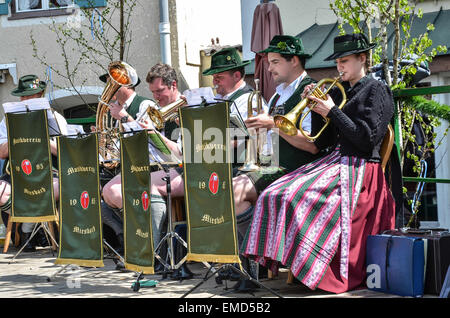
[[437, 255], [395, 264]]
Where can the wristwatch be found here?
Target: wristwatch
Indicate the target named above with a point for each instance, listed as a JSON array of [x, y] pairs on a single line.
[[124, 119]]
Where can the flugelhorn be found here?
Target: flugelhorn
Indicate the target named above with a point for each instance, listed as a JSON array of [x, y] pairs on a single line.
[[286, 123], [165, 113], [253, 148], [120, 74]]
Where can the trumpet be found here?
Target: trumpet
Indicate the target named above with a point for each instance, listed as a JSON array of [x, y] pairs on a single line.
[[254, 143], [164, 114], [286, 123]]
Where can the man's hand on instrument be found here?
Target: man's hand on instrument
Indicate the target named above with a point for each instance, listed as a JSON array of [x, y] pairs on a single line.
[[147, 124], [260, 121], [117, 111]]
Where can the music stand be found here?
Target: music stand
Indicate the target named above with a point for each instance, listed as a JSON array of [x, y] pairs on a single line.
[[44, 226], [169, 267], [53, 124], [228, 267]]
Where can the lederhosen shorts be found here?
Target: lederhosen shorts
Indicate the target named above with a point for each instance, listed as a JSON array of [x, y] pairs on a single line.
[[262, 178]]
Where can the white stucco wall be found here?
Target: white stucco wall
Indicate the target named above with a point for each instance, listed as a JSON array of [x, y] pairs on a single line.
[[143, 52], [197, 22]]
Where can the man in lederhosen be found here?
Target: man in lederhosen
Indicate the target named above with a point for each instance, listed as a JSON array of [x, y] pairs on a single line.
[[125, 106], [228, 73], [286, 56]]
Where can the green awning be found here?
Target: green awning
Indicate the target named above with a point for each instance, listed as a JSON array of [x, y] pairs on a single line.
[[318, 39]]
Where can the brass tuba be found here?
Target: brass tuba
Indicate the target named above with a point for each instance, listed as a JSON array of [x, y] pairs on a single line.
[[120, 74], [286, 123], [165, 113], [254, 143]]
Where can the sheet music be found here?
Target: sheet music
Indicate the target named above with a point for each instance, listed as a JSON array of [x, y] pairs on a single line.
[[155, 154], [74, 129], [237, 122], [132, 126], [57, 125], [194, 96]]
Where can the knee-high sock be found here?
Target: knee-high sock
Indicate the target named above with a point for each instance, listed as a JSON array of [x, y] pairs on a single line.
[[159, 213], [26, 227], [110, 218], [6, 211], [244, 220]]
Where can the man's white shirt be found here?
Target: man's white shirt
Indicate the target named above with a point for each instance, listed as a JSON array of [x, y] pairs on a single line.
[[241, 103], [286, 91], [142, 113]]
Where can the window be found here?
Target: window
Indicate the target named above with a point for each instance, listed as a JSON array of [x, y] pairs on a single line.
[[23, 9], [33, 5]]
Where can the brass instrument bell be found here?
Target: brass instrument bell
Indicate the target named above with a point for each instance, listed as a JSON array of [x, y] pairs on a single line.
[[165, 113], [252, 162], [287, 123]]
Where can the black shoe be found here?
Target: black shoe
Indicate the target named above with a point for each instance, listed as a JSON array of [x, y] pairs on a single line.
[[120, 266], [29, 247], [182, 273], [229, 274], [158, 267], [245, 286]]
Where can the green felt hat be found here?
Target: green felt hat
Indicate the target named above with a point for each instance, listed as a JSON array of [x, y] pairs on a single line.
[[350, 44], [225, 60], [29, 85], [286, 44]]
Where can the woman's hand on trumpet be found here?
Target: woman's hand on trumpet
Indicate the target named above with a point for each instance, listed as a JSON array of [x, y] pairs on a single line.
[[307, 90], [321, 106]]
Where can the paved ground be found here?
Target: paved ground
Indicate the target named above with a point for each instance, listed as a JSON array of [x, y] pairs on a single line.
[[27, 277]]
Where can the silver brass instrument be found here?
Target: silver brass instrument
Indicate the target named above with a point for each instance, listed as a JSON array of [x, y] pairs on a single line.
[[254, 143], [286, 123], [165, 113], [120, 75]]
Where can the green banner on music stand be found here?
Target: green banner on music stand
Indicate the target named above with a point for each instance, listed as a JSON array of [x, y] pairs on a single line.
[[80, 232], [135, 172], [208, 184], [32, 194]]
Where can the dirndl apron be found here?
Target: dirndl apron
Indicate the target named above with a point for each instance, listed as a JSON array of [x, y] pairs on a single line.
[[316, 219]]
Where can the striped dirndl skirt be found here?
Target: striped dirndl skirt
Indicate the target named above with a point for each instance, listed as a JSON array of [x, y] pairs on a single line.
[[301, 218]]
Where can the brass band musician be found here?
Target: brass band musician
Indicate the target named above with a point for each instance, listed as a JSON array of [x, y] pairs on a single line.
[[29, 87]]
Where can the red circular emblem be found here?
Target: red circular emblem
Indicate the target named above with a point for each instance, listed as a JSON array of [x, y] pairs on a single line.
[[84, 200], [145, 200], [26, 166], [213, 183]]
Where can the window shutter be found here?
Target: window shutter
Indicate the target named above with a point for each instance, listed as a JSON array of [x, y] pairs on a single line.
[[90, 3], [4, 7]]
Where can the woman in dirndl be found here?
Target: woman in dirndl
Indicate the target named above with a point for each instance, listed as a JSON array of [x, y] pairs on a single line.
[[316, 219]]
